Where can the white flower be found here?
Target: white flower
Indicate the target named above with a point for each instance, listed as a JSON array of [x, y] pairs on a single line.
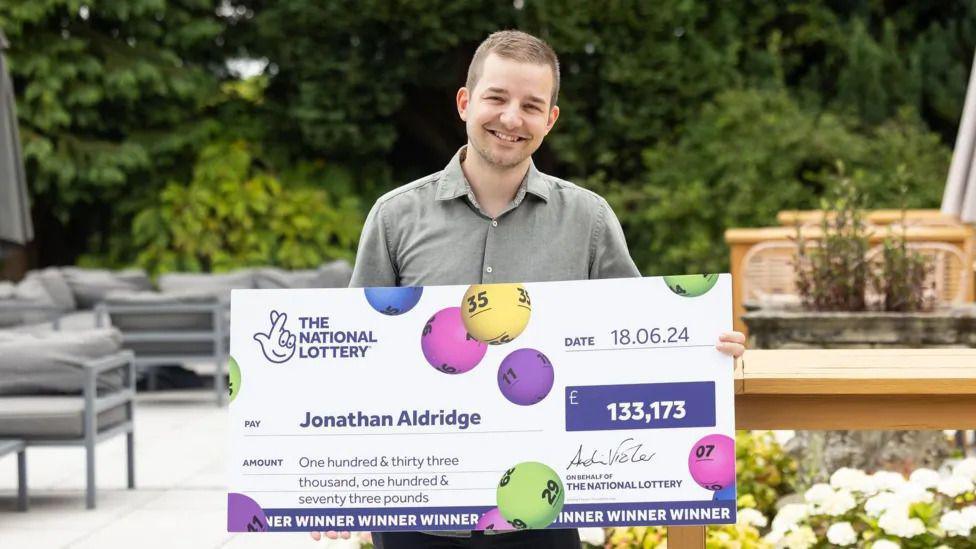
[[751, 517], [773, 537], [876, 505], [897, 523], [970, 514], [966, 468], [782, 437], [887, 480], [912, 492], [818, 493], [838, 503], [841, 533], [885, 544], [854, 480], [955, 524], [954, 485], [593, 536], [789, 515], [926, 478], [798, 538]]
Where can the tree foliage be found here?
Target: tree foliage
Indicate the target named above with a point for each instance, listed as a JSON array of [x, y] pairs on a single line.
[[661, 101], [110, 99], [233, 213]]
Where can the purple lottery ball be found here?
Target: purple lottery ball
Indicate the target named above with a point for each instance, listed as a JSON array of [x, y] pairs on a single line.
[[525, 376], [712, 462], [493, 520], [447, 345], [244, 514]]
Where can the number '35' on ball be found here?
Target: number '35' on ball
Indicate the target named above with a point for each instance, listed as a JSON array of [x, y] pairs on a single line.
[[691, 285], [393, 301], [496, 313], [530, 495], [711, 462]]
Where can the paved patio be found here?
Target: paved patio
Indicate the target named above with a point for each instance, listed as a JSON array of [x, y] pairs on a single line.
[[180, 499]]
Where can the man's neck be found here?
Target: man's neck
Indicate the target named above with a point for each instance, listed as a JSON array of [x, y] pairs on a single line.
[[493, 188]]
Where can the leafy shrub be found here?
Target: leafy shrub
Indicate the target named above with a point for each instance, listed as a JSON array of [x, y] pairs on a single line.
[[764, 474], [835, 272], [748, 155], [235, 214]]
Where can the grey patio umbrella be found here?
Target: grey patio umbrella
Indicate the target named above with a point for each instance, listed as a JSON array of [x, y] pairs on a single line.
[[959, 198], [15, 220]]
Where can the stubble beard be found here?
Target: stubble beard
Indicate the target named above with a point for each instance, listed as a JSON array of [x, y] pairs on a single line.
[[483, 150]]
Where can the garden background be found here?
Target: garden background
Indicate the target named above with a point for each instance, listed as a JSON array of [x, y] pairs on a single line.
[[144, 146]]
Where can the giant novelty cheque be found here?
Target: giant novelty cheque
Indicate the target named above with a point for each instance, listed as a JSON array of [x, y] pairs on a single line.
[[484, 407]]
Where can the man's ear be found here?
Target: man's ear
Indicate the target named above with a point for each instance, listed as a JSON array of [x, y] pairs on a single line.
[[553, 115], [463, 97]]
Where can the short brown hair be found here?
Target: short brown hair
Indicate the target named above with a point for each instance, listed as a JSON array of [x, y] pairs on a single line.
[[517, 46]]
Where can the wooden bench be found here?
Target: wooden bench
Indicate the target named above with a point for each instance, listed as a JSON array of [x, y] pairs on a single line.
[[8, 446], [850, 389]]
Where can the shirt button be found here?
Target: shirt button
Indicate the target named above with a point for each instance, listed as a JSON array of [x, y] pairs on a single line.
[[488, 270], [494, 223]]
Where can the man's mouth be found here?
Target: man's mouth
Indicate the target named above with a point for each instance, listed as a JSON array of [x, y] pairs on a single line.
[[508, 138]]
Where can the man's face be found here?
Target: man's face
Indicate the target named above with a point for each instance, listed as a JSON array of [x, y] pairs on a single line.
[[508, 114]]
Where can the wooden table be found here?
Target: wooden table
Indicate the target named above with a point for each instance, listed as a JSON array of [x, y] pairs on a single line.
[[850, 389]]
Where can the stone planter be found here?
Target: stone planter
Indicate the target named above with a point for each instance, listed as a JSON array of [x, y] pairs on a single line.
[[821, 452], [778, 329]]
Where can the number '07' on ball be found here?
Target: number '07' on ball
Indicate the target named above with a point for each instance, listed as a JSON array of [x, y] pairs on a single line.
[[711, 462]]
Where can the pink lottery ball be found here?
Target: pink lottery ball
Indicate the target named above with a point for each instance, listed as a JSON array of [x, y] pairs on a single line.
[[712, 462], [493, 520], [447, 345]]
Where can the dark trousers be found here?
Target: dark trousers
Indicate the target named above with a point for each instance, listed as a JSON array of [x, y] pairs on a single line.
[[527, 539]]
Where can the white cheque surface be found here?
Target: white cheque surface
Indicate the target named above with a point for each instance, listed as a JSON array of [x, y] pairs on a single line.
[[610, 407]]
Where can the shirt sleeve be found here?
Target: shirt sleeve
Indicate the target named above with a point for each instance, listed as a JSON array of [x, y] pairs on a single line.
[[609, 253], [374, 261]]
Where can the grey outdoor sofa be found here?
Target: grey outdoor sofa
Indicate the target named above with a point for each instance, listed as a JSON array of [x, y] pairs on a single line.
[[67, 388]]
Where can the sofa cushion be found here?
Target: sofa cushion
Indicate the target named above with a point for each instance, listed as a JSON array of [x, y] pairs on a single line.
[[159, 311], [330, 275], [45, 286], [51, 362], [90, 286], [218, 285], [50, 417]]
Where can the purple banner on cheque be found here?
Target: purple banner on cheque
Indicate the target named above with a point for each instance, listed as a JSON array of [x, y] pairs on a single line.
[[640, 406]]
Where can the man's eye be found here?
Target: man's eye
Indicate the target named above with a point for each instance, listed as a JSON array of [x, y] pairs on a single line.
[[532, 108], [494, 98]]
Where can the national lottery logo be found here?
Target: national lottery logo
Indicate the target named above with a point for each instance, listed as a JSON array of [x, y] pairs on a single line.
[[278, 345]]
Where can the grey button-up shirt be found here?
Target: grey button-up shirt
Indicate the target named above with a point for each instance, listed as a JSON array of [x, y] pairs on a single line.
[[432, 232]]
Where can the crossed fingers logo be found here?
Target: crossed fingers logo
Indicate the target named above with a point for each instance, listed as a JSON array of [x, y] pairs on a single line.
[[278, 345]]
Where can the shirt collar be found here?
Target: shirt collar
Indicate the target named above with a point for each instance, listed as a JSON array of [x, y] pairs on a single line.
[[453, 184]]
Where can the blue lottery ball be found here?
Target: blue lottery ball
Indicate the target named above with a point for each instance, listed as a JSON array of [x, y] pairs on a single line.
[[727, 493], [393, 301]]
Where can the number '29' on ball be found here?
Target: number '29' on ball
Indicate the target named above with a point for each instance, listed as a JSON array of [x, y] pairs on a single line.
[[530, 495], [711, 462], [496, 313]]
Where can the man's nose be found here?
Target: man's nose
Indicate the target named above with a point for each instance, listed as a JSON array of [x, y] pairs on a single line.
[[511, 118]]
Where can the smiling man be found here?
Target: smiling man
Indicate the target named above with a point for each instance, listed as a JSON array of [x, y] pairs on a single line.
[[491, 216]]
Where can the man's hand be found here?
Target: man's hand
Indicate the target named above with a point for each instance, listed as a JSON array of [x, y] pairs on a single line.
[[732, 344], [331, 534], [278, 345]]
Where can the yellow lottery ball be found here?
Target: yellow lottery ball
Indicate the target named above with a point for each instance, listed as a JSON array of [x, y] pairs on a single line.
[[496, 313]]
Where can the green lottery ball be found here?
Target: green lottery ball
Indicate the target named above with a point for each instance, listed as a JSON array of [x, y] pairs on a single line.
[[530, 495], [234, 383], [691, 285]]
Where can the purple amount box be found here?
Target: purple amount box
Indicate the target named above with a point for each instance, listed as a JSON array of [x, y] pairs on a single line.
[[640, 406]]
